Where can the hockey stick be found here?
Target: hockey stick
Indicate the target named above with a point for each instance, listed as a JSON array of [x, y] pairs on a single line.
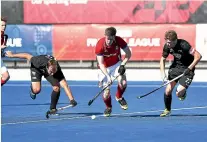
[[139, 97], [99, 93], [48, 113]]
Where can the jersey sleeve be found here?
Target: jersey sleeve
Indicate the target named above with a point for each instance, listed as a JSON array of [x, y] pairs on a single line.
[[121, 42], [186, 47], [165, 51], [99, 48]]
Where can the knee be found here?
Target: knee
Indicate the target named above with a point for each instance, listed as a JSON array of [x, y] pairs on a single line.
[[168, 91], [36, 90], [56, 88], [106, 93], [6, 76], [180, 90], [123, 84]]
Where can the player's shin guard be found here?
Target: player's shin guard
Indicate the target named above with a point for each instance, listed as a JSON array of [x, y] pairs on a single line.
[[54, 99], [3, 82], [120, 92], [107, 99], [168, 101]]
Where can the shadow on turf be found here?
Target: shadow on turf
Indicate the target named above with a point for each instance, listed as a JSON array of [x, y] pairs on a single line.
[[129, 116], [158, 116], [85, 114], [37, 104]]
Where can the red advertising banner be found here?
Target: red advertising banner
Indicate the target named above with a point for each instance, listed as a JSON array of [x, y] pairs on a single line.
[[110, 11], [77, 42]]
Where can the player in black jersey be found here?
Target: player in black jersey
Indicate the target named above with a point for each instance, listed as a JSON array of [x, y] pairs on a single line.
[[47, 66], [185, 60]]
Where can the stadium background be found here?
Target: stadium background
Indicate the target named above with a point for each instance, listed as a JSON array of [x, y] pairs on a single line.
[[69, 29]]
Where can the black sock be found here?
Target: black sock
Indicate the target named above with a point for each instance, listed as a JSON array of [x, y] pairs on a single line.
[[54, 99], [168, 101]]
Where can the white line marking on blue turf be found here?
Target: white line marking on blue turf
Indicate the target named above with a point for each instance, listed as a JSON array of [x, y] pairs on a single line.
[[82, 117], [78, 85]]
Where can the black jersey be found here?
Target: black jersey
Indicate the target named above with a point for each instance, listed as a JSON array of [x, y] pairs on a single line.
[[40, 62], [181, 53]]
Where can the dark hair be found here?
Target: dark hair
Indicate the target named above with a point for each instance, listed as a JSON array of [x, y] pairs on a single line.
[[3, 19], [52, 62], [171, 35], [110, 31]]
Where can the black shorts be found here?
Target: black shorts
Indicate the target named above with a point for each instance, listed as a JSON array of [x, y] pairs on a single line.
[[36, 76], [184, 80]]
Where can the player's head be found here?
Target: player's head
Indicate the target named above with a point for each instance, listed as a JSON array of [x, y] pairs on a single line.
[[52, 67], [110, 34], [171, 38], [3, 24]]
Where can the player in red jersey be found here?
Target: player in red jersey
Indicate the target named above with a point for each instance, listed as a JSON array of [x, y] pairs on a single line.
[[4, 72], [108, 53]]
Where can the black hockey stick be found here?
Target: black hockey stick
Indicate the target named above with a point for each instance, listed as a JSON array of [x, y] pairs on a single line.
[[48, 113], [99, 93], [139, 97]]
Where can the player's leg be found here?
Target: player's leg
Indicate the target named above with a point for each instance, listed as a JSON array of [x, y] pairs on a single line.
[[36, 77], [106, 93], [107, 101], [168, 92], [4, 74], [168, 99], [184, 83], [68, 92], [122, 85], [55, 82]]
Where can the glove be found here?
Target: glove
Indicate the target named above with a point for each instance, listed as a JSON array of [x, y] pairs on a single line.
[[187, 71], [121, 70]]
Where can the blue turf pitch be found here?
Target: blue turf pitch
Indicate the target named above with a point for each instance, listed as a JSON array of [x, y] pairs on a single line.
[[23, 119]]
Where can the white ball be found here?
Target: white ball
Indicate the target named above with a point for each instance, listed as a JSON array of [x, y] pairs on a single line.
[[93, 117]]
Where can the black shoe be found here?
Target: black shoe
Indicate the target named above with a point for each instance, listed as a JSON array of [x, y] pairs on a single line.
[[50, 112], [107, 112], [122, 103], [182, 98], [73, 103], [32, 95]]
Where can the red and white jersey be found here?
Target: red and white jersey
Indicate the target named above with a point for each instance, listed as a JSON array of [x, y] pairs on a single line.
[[112, 53]]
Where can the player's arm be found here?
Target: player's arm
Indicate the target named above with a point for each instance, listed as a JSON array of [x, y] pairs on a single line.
[[100, 57], [19, 55], [66, 88], [100, 60], [165, 54], [125, 48], [128, 55], [197, 56]]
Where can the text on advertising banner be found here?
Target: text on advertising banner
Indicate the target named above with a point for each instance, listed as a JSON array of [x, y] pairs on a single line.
[[77, 42], [33, 39]]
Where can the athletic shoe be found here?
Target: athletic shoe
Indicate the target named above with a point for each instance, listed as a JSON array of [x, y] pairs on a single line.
[[165, 113], [50, 112], [122, 103], [107, 112], [182, 98], [32, 95]]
